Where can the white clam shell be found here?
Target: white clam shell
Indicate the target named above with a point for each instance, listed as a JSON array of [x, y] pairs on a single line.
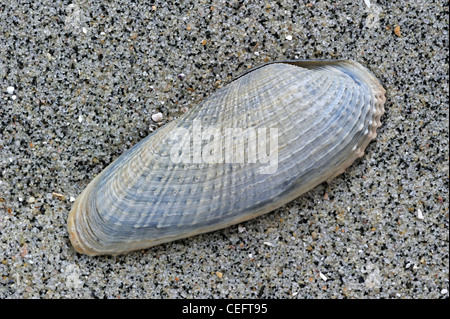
[[325, 114]]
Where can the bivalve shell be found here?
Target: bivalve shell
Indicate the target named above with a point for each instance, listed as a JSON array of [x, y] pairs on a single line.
[[267, 137]]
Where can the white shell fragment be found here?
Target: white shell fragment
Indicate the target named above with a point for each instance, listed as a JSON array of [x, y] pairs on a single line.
[[10, 89], [254, 145], [419, 214], [157, 117]]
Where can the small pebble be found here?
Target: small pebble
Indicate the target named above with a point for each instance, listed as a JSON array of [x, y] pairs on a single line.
[[72, 274], [80, 119], [10, 89], [24, 250], [324, 278], [31, 200], [219, 274], [72, 199], [241, 229], [444, 291], [289, 37], [181, 76], [157, 117], [13, 97]]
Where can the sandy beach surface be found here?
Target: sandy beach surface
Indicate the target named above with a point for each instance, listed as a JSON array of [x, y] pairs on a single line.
[[80, 81]]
